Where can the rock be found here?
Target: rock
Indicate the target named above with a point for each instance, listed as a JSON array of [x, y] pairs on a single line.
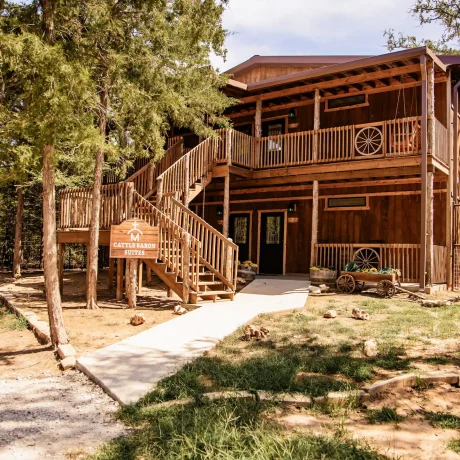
[[178, 310], [241, 281], [137, 319], [314, 289], [360, 314], [435, 303], [66, 350], [330, 314], [255, 332], [68, 363], [370, 348], [324, 288]]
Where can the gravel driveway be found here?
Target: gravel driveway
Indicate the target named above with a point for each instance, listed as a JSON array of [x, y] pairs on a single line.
[[46, 418]]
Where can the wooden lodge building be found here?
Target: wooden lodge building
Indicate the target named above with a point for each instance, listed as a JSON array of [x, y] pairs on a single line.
[[326, 155]]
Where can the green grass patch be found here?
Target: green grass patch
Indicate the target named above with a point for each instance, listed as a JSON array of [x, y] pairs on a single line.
[[384, 415], [230, 429], [454, 445], [11, 322], [443, 420]]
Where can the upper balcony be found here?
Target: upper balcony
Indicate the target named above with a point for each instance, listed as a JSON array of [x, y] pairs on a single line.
[[388, 140]]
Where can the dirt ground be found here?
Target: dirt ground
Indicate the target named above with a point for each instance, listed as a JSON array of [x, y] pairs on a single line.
[[88, 330], [414, 437]]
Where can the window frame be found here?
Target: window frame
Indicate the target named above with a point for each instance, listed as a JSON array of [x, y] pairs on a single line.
[[366, 207], [347, 107]]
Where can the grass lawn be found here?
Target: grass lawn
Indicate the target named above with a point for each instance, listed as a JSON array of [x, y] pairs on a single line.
[[329, 354]]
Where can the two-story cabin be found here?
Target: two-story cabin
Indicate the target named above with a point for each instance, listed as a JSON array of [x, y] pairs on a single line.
[[327, 155]]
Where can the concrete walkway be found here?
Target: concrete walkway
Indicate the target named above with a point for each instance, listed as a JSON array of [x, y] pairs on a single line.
[[129, 369]]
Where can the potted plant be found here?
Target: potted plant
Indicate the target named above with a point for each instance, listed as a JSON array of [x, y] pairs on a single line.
[[247, 270], [323, 275]]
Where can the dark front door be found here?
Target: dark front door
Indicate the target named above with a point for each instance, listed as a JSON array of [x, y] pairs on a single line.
[[240, 234], [271, 243]]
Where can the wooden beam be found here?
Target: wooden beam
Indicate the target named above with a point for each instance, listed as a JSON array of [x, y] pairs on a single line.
[[139, 277], [424, 172], [314, 222], [120, 263], [429, 189], [449, 203], [361, 78], [111, 273], [226, 216]]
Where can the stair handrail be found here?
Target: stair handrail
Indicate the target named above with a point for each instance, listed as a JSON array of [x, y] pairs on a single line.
[[178, 249], [217, 252], [144, 178], [193, 166]]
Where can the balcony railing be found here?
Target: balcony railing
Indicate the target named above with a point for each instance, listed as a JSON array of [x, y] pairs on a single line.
[[384, 139]]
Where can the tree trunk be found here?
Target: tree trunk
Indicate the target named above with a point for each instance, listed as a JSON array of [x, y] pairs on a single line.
[[53, 297], [131, 282], [93, 248], [18, 235]]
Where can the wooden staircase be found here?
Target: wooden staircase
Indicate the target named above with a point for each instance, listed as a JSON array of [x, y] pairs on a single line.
[[195, 260]]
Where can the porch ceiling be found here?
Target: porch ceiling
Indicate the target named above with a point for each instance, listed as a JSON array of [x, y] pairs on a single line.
[[371, 75]]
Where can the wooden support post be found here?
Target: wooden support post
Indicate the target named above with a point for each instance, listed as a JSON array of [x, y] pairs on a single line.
[[159, 200], [316, 124], [424, 172], [148, 276], [110, 275], [120, 264], [449, 203], [314, 222], [257, 133], [228, 264], [61, 267], [226, 216], [139, 277], [228, 147], [169, 292], [431, 134], [131, 282], [185, 253], [150, 177], [186, 197]]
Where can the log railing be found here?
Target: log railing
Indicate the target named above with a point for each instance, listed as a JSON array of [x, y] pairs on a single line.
[[144, 178], [75, 206], [217, 253], [242, 149], [177, 248], [405, 257], [440, 260]]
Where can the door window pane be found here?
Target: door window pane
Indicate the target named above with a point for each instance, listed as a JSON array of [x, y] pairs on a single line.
[[241, 230], [273, 230]]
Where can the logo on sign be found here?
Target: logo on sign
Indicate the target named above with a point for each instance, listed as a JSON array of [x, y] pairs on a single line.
[[135, 236]]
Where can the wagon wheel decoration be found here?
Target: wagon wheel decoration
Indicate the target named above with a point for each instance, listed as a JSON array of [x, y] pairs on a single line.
[[368, 141], [386, 288], [346, 284], [366, 258]]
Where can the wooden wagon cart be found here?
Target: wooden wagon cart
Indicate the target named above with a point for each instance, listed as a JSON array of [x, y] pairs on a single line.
[[354, 281]]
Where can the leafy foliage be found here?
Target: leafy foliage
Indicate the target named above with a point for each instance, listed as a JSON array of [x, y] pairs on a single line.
[[444, 12]]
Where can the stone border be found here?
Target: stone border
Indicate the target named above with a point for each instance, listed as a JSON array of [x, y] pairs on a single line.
[[40, 328], [336, 398]]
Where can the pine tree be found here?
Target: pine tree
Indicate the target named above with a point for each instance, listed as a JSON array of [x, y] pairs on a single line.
[[444, 12]]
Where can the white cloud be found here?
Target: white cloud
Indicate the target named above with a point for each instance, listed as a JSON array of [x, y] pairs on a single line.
[[273, 27]]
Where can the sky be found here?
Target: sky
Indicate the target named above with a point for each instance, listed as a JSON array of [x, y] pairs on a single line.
[[315, 27]]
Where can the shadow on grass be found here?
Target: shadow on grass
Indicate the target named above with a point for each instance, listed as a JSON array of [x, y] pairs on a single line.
[[326, 370], [235, 429]]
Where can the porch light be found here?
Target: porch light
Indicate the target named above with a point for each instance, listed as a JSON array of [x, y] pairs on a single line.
[[291, 207], [293, 113], [220, 211]]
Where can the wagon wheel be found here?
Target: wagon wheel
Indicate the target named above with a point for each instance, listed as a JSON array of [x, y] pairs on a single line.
[[359, 285], [386, 288], [346, 284], [366, 258], [368, 141]]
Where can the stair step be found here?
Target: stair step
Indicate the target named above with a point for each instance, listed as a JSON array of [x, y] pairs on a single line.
[[211, 293], [209, 283]]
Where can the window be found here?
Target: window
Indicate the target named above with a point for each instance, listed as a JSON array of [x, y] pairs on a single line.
[[273, 230], [241, 230], [347, 203], [348, 102]]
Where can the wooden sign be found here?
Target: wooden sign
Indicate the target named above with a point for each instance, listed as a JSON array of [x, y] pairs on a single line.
[[134, 239], [293, 220]]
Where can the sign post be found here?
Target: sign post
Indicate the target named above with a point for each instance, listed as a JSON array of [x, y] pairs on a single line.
[[134, 239]]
